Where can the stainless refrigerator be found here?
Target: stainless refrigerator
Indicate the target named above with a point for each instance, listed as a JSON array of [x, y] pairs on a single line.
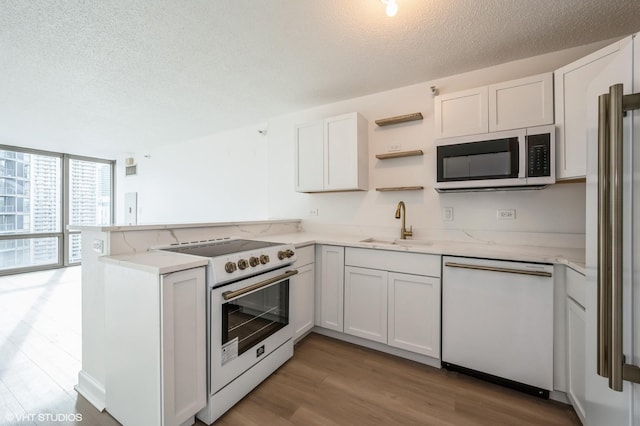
[[612, 349]]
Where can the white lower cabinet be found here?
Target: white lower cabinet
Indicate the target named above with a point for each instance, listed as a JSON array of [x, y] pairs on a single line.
[[155, 340], [575, 356], [395, 308], [365, 303], [330, 287], [414, 313], [576, 345], [303, 292]]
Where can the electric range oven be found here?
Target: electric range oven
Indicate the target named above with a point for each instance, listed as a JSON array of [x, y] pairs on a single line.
[[248, 316]]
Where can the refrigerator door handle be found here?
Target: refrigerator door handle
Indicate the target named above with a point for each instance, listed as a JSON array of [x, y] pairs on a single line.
[[603, 237], [611, 360], [616, 361]]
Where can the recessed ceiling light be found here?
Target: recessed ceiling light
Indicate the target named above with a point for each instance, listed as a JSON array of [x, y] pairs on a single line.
[[392, 7]]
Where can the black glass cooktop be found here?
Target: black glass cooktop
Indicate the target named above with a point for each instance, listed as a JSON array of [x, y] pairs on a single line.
[[221, 248]]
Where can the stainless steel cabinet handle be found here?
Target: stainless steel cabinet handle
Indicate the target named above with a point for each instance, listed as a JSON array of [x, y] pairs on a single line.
[[498, 269], [232, 294]]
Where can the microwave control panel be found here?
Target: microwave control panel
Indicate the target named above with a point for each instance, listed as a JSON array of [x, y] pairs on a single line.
[[538, 155]]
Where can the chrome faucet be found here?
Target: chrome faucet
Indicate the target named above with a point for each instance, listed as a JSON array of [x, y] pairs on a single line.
[[403, 232]]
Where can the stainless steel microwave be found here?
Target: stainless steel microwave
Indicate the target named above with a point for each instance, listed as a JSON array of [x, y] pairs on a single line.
[[513, 159]]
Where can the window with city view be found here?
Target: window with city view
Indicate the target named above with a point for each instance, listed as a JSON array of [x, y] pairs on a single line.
[[89, 199], [33, 217]]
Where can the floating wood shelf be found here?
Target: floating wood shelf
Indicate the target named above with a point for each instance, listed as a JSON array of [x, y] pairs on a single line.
[[399, 154], [401, 188], [399, 119]]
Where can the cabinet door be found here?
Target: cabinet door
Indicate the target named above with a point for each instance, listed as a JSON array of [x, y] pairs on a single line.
[[309, 161], [571, 82], [330, 288], [184, 368], [365, 303], [302, 297], [575, 356], [525, 102], [414, 313], [462, 113], [341, 152]]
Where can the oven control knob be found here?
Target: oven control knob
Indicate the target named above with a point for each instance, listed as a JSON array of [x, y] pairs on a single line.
[[254, 261], [264, 259], [230, 267], [285, 254], [243, 264]]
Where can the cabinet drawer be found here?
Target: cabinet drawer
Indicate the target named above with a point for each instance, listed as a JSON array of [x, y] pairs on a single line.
[[576, 286], [306, 255], [387, 260]]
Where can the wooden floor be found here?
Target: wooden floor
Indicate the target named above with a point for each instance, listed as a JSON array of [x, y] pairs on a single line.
[[329, 382], [40, 351], [326, 382]]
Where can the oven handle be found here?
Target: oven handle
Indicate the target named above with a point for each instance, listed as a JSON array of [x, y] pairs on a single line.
[[233, 294]]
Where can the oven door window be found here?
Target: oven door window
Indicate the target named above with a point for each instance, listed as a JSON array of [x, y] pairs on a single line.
[[250, 319], [494, 159]]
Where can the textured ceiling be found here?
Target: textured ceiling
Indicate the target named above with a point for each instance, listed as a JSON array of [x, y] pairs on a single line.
[[107, 77]]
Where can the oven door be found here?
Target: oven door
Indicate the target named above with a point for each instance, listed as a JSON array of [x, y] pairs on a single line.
[[249, 319]]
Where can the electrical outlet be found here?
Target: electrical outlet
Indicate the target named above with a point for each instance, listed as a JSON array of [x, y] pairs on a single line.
[[447, 214], [507, 214], [98, 246], [394, 148], [313, 212]]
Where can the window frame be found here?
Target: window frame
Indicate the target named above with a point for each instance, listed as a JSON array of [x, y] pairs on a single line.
[[65, 233]]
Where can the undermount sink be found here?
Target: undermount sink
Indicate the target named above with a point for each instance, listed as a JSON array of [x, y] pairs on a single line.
[[397, 242]]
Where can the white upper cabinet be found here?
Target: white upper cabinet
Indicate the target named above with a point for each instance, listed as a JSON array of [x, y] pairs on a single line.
[[310, 157], [525, 102], [514, 104], [462, 113], [571, 83], [332, 154]]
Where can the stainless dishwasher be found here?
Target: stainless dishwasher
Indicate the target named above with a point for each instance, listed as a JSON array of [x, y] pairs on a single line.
[[497, 321]]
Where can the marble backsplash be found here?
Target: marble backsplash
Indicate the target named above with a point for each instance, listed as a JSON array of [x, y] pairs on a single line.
[[131, 240], [540, 239]]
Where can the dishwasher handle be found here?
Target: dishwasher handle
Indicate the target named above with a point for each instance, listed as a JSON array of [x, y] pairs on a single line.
[[498, 269]]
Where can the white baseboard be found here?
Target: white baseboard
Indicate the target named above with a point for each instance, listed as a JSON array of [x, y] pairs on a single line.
[[559, 396], [92, 390]]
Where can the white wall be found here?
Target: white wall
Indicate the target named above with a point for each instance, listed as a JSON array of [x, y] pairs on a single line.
[[242, 175], [557, 209], [218, 178]]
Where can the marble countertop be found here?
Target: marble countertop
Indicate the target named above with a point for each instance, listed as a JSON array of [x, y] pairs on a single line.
[[572, 257], [157, 262], [111, 228], [165, 262]]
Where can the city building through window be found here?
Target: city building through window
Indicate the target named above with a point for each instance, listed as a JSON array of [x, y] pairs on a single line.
[[41, 193]]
